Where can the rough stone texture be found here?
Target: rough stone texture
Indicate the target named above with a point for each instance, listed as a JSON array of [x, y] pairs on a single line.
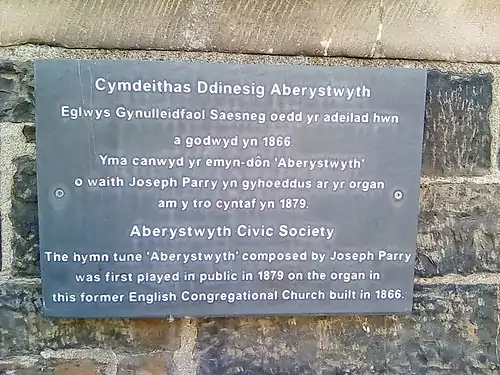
[[16, 92], [461, 30], [58, 367], [6, 93], [157, 364], [7, 67], [24, 219], [24, 182], [453, 331], [29, 133], [457, 136], [459, 231], [23, 330]]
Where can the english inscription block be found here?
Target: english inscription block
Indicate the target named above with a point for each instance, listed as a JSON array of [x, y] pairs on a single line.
[[194, 189]]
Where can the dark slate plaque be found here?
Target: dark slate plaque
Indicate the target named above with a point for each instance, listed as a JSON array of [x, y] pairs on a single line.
[[193, 189]]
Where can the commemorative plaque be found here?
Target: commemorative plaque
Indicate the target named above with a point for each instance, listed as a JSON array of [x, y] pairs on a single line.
[[194, 189]]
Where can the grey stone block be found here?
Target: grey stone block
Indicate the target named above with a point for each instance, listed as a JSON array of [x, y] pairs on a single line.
[[29, 133], [457, 135], [459, 229], [24, 219], [16, 92]]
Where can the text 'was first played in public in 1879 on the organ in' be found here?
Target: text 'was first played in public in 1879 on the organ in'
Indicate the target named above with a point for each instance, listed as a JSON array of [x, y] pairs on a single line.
[[194, 189]]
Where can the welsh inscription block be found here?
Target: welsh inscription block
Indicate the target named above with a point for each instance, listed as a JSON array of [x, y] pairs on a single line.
[[194, 189]]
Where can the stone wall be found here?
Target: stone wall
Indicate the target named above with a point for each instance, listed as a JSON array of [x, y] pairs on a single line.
[[454, 328]]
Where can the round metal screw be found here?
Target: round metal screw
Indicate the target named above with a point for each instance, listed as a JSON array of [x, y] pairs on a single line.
[[398, 195], [59, 193]]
